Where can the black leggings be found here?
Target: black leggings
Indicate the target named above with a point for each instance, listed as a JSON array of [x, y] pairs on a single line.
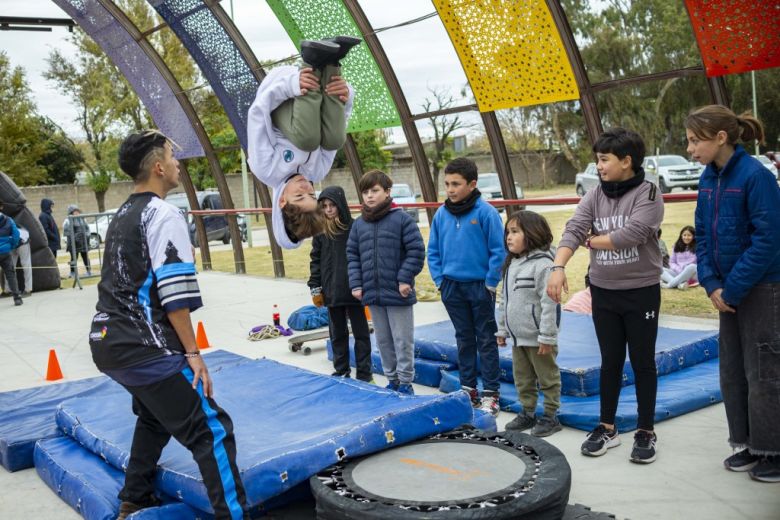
[[172, 408], [631, 316]]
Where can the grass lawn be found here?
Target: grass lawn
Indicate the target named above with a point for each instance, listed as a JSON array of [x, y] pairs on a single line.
[[692, 302]]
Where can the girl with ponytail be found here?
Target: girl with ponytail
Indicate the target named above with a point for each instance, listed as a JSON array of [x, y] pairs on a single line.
[[738, 255]]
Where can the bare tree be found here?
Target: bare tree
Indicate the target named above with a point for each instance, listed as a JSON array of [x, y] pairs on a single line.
[[443, 127]]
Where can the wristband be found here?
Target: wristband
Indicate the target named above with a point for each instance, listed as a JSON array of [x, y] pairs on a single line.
[[558, 268], [587, 243], [192, 354]]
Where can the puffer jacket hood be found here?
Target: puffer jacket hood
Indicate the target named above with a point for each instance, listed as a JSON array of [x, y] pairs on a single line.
[[46, 205], [336, 195], [526, 314]]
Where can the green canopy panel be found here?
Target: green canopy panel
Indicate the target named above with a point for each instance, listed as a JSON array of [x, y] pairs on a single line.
[[317, 19]]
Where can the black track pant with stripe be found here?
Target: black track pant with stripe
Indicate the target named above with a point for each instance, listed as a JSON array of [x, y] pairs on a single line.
[[171, 407]]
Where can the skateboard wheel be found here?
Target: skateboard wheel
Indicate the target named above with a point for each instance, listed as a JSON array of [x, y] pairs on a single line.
[[306, 351]]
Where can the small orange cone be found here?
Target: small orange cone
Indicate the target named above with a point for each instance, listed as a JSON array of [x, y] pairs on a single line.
[[53, 372], [200, 339]]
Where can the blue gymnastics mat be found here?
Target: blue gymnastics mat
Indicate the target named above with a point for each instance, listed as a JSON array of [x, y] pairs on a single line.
[[426, 372], [578, 351], [28, 414], [678, 393], [289, 424], [90, 485]]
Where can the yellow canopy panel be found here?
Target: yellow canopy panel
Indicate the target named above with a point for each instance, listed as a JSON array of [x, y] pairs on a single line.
[[511, 51]]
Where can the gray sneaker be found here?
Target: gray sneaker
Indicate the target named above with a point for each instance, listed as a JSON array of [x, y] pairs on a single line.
[[545, 426], [522, 422]]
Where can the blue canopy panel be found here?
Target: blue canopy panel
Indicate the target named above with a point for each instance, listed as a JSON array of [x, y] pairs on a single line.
[[216, 54], [146, 80], [28, 414], [90, 485], [426, 371], [578, 351], [289, 424], [680, 392]]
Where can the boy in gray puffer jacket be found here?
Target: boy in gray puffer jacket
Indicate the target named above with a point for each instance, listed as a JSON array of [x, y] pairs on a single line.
[[530, 317]]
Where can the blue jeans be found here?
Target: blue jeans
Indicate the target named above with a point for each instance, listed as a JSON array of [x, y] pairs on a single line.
[[750, 370], [472, 309]]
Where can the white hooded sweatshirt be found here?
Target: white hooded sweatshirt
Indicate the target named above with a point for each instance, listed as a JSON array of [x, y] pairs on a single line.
[[271, 156]]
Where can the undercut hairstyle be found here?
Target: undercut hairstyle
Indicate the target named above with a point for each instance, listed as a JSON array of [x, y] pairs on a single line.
[[140, 151], [464, 167], [300, 224], [373, 178], [538, 234], [622, 143], [680, 246], [705, 123]]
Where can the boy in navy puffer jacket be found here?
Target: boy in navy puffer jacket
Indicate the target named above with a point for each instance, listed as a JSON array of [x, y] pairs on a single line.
[[385, 252]]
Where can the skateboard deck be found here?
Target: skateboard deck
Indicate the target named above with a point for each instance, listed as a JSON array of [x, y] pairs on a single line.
[[297, 342]]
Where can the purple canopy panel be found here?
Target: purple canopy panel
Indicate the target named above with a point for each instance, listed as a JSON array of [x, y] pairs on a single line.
[[216, 54], [146, 80]]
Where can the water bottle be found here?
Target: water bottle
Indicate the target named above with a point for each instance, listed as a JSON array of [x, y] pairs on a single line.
[[277, 320]]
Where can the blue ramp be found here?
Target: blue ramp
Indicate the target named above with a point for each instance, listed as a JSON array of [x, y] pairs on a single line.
[[426, 372], [289, 424], [28, 414], [578, 351], [679, 393]]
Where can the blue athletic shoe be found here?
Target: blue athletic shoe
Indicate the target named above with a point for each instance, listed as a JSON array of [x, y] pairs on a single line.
[[393, 385], [406, 389]]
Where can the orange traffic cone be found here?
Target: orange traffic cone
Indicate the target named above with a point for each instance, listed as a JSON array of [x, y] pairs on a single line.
[[53, 372], [200, 339]]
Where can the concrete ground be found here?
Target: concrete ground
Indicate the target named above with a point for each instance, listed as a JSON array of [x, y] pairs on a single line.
[[687, 481]]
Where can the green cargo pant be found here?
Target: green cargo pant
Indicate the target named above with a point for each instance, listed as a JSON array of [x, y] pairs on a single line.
[[315, 119], [528, 368]]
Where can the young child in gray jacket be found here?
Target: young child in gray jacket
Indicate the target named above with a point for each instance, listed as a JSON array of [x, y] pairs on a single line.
[[530, 317]]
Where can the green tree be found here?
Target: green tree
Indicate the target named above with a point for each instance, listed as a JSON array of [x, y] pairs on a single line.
[[20, 149], [62, 159]]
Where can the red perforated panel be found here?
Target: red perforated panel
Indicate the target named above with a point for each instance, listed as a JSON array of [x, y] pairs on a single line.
[[736, 35]]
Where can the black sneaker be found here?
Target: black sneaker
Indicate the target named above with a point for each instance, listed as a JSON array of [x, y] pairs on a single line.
[[599, 440], [345, 43], [318, 53], [545, 426], [741, 461], [522, 422], [340, 374], [473, 394], [644, 447], [18, 300], [767, 470]]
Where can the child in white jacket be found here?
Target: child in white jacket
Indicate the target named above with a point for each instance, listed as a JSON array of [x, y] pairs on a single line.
[[295, 126], [531, 319]]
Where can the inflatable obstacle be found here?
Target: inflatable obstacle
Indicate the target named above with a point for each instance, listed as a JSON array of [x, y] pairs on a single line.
[[578, 351], [46, 274]]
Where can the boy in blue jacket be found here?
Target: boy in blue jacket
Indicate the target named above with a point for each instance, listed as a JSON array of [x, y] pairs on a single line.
[[9, 240], [385, 251], [465, 254]]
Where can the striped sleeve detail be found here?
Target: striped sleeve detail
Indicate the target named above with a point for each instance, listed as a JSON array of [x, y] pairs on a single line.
[[177, 291]]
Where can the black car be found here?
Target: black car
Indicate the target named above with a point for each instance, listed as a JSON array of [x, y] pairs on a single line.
[[216, 225]]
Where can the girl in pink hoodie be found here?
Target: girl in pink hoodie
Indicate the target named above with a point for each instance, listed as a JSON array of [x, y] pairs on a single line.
[[681, 272]]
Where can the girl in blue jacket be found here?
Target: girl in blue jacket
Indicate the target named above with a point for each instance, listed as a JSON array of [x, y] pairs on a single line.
[[738, 254]]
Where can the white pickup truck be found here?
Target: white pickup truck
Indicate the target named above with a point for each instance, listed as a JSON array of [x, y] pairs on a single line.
[[673, 171]]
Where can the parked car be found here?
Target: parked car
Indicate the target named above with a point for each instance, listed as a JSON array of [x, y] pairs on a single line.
[[403, 194], [672, 171], [490, 187], [586, 180], [98, 227], [216, 225], [768, 164]]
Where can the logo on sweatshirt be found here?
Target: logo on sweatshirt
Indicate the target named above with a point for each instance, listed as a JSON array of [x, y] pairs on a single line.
[[650, 315], [288, 155]]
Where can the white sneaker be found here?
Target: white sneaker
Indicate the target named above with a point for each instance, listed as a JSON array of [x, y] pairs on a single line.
[[489, 404]]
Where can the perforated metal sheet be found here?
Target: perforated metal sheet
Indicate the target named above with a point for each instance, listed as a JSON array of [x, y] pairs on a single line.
[[140, 72], [511, 52], [217, 56], [736, 35], [316, 19]]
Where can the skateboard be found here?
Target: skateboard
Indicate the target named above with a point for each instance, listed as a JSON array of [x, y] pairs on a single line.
[[296, 342]]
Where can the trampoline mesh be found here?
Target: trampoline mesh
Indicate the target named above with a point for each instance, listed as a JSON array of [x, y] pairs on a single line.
[[143, 76], [317, 19]]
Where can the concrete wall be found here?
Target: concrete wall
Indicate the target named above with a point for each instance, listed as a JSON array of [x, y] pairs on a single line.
[[527, 172]]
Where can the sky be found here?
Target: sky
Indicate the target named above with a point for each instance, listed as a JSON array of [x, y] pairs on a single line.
[[421, 54]]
